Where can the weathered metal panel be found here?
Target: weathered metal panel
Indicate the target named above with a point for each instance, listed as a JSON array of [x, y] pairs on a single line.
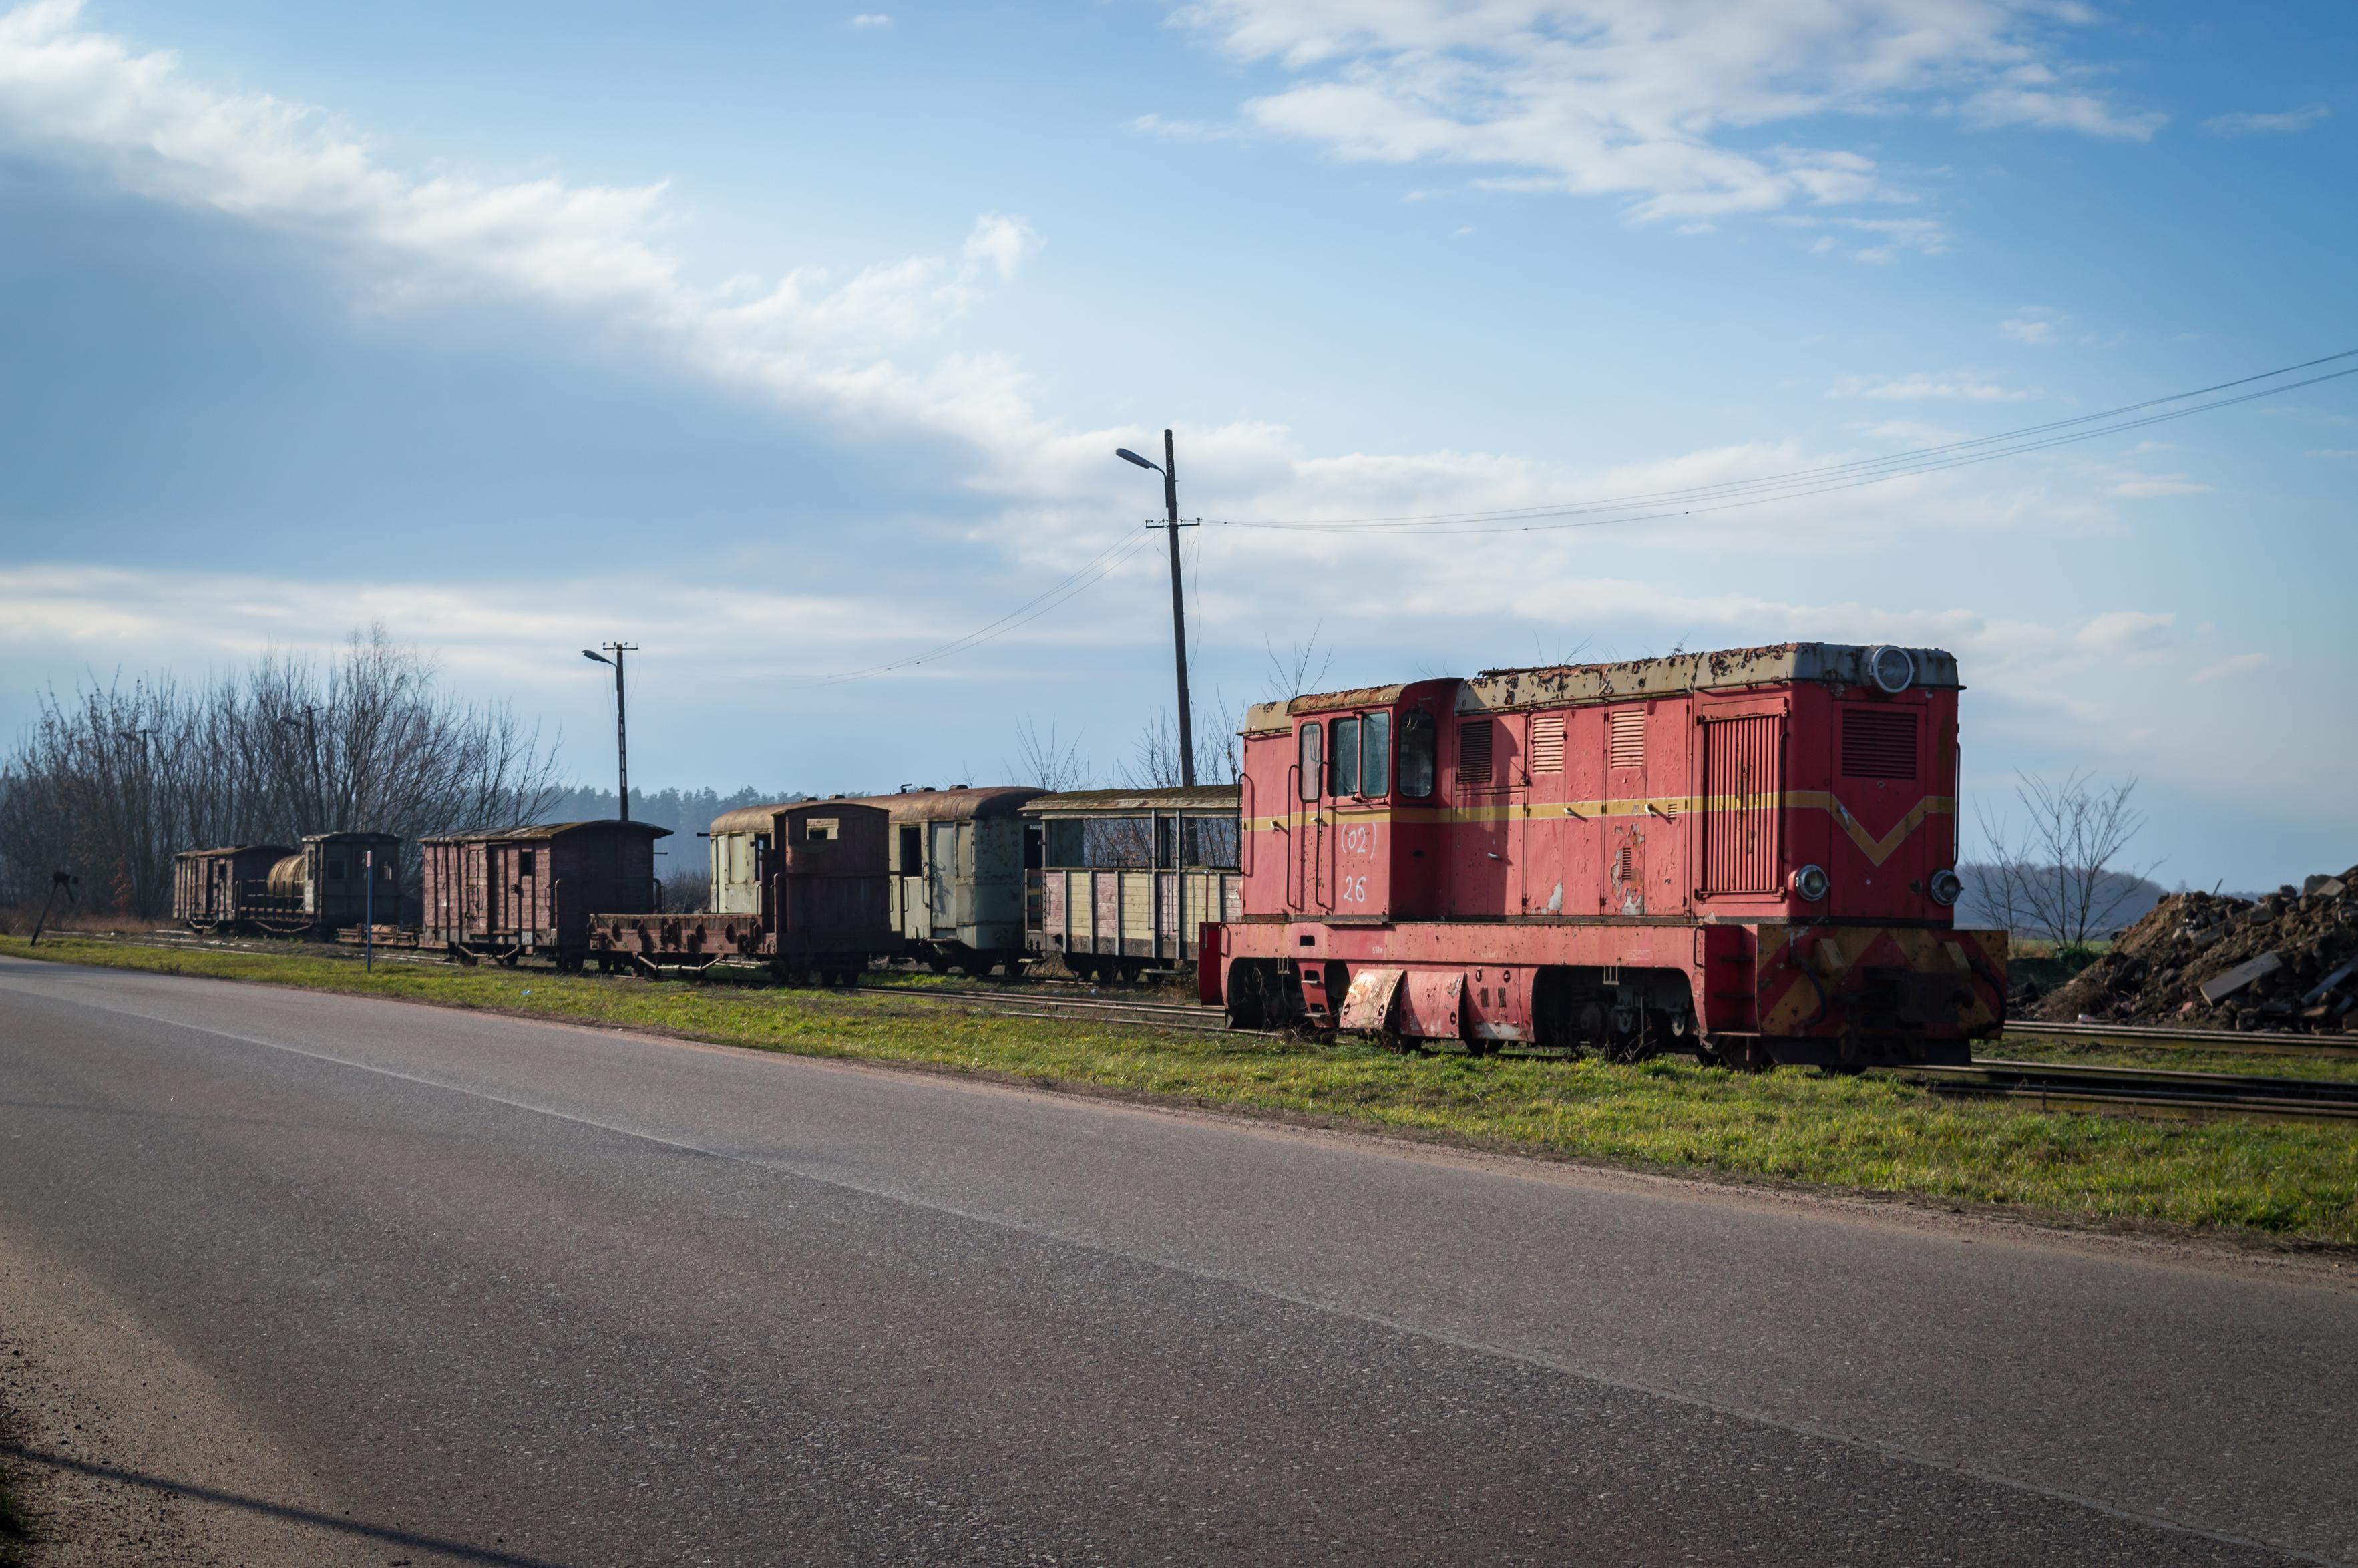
[[1367, 1005], [1432, 1004], [1742, 782]]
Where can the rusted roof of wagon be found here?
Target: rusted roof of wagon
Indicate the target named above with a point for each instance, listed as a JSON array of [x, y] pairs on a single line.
[[279, 850], [1834, 664], [1111, 802], [952, 804], [351, 837], [539, 831]]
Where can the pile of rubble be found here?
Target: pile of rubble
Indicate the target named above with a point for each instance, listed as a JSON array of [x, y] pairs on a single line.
[[2288, 961]]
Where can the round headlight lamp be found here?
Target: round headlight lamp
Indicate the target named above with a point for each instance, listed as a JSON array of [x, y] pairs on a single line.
[[1810, 882], [1945, 886], [1891, 669]]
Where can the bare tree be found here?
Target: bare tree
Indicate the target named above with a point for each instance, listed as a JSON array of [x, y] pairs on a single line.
[[113, 783], [1048, 762], [2058, 879]]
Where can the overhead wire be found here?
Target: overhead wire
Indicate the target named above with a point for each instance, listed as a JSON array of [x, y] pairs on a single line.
[[1833, 476]]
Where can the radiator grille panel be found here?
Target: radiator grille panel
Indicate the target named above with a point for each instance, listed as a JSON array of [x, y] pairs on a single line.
[[1878, 743], [1547, 745], [1473, 752], [1741, 779], [1627, 738]]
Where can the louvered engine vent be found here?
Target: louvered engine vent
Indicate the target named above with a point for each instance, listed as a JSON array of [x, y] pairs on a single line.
[[1878, 743], [1547, 744], [1626, 738], [1473, 752]]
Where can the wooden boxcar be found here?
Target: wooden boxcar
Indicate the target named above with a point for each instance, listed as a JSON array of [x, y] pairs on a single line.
[[209, 885], [955, 858], [1126, 878], [1750, 853], [821, 906], [512, 891]]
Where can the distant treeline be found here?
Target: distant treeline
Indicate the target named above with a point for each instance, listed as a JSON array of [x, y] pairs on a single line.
[[109, 784]]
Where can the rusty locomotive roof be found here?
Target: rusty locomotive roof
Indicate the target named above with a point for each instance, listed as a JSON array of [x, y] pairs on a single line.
[[542, 831], [1264, 717], [278, 850], [1113, 802], [1831, 663]]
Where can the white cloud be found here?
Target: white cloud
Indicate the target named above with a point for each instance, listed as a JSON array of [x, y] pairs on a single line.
[[2299, 119], [2143, 486], [1662, 105], [2241, 665], [1959, 386], [2029, 329], [872, 19], [2125, 633], [90, 97]]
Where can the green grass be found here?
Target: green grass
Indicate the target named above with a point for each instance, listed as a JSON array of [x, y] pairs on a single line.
[[1872, 1135]]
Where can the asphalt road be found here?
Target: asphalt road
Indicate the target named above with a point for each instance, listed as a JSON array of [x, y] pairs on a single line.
[[519, 1292]]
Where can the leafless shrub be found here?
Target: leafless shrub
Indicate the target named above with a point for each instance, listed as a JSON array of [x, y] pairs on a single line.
[[2057, 880], [1045, 760], [114, 781]]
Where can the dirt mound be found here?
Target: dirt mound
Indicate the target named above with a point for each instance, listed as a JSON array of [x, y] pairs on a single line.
[[2288, 961]]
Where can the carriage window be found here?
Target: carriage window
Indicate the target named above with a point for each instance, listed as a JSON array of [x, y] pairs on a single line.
[[1417, 732], [1375, 754], [819, 830], [524, 867], [1212, 842], [1064, 844], [1309, 760], [912, 851], [1343, 763]]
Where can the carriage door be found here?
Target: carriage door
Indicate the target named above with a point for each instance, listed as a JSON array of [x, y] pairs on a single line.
[[941, 877]]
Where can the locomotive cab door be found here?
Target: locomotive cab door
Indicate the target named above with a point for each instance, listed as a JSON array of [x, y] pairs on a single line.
[[1310, 877]]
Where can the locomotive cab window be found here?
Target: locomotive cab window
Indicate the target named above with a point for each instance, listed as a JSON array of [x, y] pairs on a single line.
[[1375, 754], [1309, 768], [1343, 764], [1416, 754]]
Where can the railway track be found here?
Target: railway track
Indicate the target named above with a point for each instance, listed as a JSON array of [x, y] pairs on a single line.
[[1044, 1003], [2147, 1088], [2220, 1040]]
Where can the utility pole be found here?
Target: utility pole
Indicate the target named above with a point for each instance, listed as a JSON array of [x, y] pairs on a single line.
[[621, 725], [1168, 468]]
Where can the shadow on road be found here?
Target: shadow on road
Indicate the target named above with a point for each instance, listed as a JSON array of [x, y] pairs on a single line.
[[459, 1549]]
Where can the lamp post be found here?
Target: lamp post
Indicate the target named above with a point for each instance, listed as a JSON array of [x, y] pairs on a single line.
[[311, 741], [621, 725], [1168, 468]]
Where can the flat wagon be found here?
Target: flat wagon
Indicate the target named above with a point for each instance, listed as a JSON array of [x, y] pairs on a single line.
[[1125, 879], [815, 902], [1749, 853], [510, 892]]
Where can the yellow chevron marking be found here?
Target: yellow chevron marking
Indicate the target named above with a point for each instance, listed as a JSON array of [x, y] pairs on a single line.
[[1877, 851]]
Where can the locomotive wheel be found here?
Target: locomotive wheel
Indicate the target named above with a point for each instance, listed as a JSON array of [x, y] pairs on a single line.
[[937, 961]]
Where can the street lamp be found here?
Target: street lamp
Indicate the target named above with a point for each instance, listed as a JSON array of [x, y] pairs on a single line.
[[621, 725], [1168, 468]]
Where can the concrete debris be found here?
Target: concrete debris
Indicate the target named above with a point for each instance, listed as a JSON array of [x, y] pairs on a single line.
[[2285, 962]]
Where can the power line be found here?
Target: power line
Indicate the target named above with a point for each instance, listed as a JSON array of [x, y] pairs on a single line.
[[1831, 476]]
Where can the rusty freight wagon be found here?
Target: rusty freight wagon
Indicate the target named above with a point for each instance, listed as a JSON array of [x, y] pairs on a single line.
[[813, 901], [209, 885], [1124, 879], [1749, 854], [511, 893], [955, 859]]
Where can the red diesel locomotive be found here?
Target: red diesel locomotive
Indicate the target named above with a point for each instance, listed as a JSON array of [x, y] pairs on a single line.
[[1748, 854]]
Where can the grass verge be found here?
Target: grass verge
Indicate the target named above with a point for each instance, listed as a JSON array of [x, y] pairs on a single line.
[[2293, 1182]]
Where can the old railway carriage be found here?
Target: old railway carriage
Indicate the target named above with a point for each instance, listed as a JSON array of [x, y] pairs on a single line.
[[334, 881], [1123, 879], [1747, 853], [508, 892], [210, 886], [955, 859]]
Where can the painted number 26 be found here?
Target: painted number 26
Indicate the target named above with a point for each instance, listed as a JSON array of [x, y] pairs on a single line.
[[1355, 889]]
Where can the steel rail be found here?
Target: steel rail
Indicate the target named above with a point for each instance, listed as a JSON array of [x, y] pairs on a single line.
[[2157, 1087], [2151, 1037]]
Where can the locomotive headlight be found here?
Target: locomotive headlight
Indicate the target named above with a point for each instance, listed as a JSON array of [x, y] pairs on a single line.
[[1891, 669], [1812, 882], [1945, 886]]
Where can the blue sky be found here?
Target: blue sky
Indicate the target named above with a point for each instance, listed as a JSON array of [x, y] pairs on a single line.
[[789, 341]]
